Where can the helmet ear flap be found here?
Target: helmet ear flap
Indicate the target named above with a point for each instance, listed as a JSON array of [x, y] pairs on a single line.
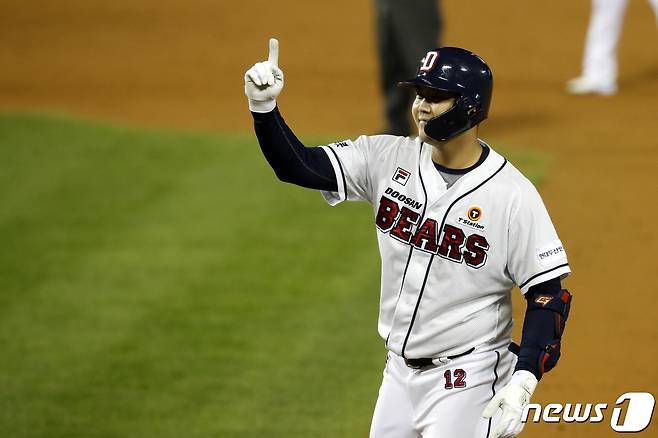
[[471, 107], [447, 125], [472, 110], [466, 113]]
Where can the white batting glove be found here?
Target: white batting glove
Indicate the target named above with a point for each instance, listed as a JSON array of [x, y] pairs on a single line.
[[264, 81], [512, 400]]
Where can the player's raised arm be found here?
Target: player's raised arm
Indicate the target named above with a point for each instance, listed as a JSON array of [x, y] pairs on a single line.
[[291, 160]]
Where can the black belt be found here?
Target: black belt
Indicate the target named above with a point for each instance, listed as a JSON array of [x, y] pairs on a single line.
[[427, 361]]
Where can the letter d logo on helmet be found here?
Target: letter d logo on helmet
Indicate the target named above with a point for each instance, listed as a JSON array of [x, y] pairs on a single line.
[[462, 73]]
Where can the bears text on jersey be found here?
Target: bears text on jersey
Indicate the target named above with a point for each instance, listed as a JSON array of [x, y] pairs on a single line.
[[451, 243]]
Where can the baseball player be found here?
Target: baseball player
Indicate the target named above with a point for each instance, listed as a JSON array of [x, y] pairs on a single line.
[[599, 64], [457, 226]]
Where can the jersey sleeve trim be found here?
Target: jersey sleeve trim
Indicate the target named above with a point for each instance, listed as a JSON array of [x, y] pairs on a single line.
[[561, 270], [340, 178]]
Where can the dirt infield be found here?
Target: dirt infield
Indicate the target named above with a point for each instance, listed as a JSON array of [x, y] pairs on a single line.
[[180, 64]]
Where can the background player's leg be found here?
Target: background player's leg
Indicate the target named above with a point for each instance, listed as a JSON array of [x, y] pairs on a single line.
[[600, 57], [393, 415], [417, 24], [407, 30], [391, 71], [600, 60], [654, 5]]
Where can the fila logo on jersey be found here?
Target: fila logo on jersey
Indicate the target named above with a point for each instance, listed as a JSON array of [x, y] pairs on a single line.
[[401, 176], [450, 243]]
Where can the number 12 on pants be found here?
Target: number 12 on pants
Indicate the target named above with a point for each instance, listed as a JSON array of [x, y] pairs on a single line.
[[459, 376]]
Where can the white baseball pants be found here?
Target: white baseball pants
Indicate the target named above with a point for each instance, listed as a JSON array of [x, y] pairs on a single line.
[[605, 24], [442, 401]]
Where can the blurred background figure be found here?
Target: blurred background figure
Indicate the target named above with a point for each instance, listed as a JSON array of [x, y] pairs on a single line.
[[599, 74], [406, 29]]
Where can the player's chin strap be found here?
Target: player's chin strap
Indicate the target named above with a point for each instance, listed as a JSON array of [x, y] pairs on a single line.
[[451, 123], [543, 327]]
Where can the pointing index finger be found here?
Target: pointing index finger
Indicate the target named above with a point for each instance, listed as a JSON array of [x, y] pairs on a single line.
[[273, 57]]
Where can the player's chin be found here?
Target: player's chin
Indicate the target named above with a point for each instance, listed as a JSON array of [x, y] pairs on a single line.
[[421, 134]]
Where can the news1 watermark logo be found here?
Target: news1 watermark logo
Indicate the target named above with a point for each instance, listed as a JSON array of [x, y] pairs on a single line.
[[634, 416]]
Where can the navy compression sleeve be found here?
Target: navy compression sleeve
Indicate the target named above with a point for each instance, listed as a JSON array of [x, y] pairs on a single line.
[[538, 328], [291, 160]]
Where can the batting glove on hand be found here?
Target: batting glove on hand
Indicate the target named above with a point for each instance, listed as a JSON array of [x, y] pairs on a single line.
[[512, 400], [264, 81]]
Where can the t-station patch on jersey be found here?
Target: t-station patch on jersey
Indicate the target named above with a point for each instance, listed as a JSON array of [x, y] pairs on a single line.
[[475, 213], [401, 176]]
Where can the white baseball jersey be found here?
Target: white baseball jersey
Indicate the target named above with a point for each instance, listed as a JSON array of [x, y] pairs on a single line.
[[450, 256]]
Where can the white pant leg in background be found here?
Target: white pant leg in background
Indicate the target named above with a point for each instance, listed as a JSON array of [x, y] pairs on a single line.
[[417, 404], [654, 5], [605, 24]]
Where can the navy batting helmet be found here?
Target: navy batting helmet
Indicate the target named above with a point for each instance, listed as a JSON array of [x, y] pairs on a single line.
[[462, 73]]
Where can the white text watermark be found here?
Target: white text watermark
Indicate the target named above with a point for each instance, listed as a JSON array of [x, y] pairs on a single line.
[[633, 416]]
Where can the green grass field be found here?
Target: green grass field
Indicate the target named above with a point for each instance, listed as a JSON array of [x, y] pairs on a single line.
[[160, 284]]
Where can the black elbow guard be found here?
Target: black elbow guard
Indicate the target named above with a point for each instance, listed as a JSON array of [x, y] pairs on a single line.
[[546, 317], [560, 304]]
